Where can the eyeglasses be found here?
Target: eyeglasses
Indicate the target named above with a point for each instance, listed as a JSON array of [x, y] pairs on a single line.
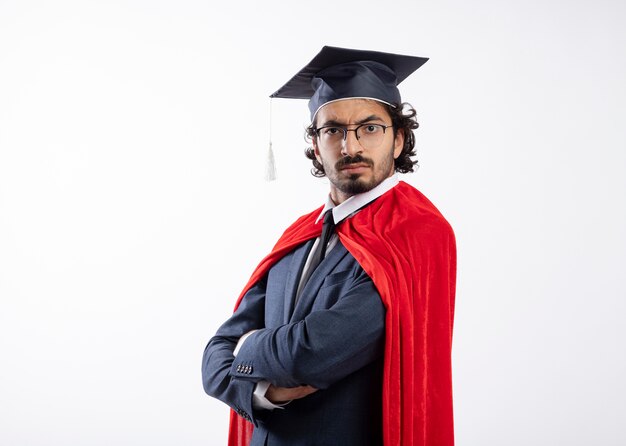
[[369, 136]]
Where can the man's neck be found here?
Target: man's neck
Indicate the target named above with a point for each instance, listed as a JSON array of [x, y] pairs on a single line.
[[355, 202]]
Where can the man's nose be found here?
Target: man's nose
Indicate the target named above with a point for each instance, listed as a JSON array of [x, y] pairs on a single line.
[[351, 145]]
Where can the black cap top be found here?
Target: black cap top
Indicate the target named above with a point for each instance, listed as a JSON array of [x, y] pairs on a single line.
[[342, 73]]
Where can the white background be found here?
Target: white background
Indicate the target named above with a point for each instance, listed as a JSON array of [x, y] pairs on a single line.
[[133, 206]]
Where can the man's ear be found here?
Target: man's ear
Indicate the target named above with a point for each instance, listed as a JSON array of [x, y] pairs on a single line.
[[398, 143]]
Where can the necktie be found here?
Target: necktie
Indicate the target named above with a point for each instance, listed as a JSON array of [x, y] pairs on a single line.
[[328, 229]]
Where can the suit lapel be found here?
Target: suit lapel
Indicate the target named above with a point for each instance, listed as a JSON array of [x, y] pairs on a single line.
[[293, 278], [310, 290]]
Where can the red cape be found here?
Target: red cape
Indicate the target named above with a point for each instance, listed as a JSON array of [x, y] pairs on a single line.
[[408, 249]]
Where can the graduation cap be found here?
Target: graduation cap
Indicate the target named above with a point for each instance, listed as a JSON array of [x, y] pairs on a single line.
[[342, 73]]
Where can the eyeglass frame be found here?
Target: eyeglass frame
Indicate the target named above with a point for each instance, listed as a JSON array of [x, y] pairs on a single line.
[[346, 130]]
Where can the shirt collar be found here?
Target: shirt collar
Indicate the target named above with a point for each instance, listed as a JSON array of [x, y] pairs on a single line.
[[356, 202]]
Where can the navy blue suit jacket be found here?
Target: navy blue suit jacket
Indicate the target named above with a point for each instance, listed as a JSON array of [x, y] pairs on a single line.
[[332, 338]]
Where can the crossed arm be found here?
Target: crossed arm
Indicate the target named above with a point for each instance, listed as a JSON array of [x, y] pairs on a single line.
[[296, 358]]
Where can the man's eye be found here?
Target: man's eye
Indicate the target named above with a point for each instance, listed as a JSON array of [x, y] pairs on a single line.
[[332, 130], [372, 128]]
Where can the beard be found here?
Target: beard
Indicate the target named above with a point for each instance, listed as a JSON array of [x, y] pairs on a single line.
[[358, 183]]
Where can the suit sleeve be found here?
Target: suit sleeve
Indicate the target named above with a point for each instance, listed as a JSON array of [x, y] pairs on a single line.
[[218, 354], [325, 347]]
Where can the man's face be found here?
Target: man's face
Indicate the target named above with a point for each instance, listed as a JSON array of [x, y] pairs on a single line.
[[351, 168]]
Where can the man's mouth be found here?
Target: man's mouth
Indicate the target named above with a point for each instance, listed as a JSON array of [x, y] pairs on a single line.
[[355, 167]]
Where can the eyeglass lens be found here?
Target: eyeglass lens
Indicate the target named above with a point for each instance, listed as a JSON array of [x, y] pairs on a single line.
[[369, 136]]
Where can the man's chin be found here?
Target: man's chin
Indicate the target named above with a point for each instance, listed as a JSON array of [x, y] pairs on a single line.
[[355, 185]]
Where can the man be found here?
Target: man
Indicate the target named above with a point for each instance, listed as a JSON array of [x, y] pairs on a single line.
[[343, 334]]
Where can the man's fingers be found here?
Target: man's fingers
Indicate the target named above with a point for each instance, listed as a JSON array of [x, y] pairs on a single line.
[[283, 394]]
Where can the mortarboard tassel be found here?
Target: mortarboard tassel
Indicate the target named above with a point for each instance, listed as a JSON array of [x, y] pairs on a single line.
[[270, 166], [270, 162]]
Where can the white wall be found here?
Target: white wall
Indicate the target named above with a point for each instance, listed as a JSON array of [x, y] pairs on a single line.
[[132, 205]]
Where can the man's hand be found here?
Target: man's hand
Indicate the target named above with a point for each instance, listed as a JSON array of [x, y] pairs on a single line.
[[278, 395]]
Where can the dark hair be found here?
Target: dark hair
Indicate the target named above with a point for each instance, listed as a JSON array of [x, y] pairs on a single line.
[[402, 118]]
